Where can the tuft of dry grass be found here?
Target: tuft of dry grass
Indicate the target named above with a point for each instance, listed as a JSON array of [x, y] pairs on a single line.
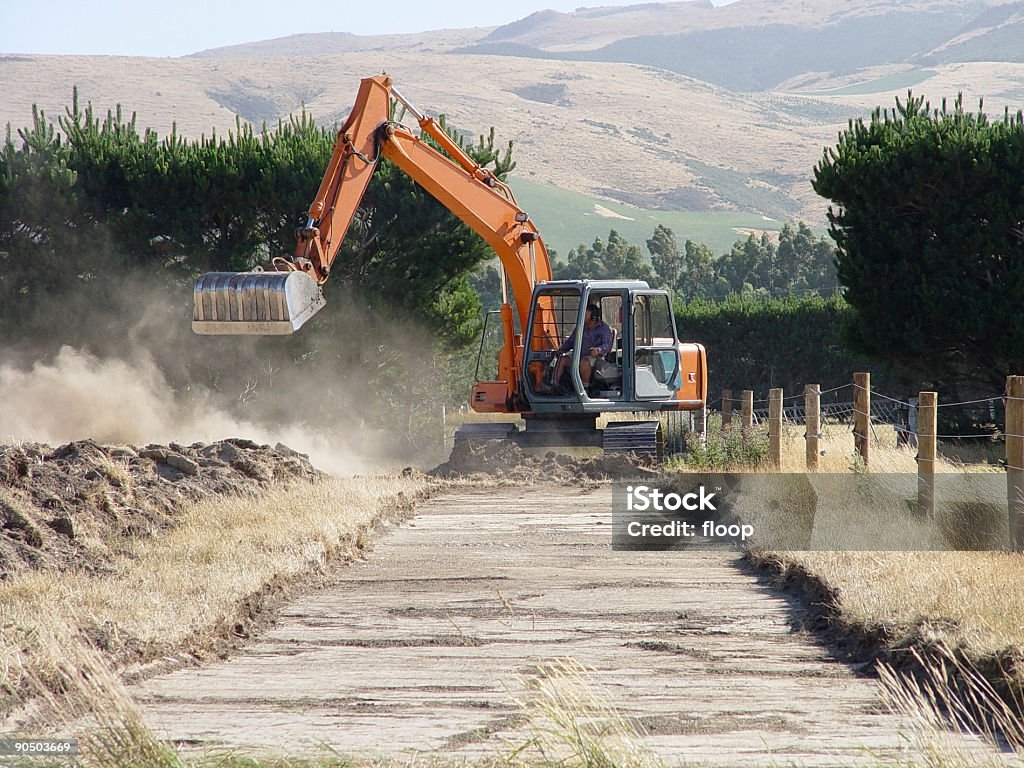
[[78, 695], [571, 724], [950, 699]]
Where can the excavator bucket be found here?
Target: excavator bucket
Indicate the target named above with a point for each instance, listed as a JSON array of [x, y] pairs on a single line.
[[254, 303]]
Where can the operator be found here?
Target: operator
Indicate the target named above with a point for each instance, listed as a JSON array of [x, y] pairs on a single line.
[[597, 342]]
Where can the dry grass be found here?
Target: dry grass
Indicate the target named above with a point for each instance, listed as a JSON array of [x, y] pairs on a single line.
[[968, 600], [84, 699], [886, 457], [971, 602], [838, 455], [953, 716], [571, 724], [184, 588]]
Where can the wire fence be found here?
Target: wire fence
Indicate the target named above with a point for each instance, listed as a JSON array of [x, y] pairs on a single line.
[[982, 419], [920, 422], [892, 420]]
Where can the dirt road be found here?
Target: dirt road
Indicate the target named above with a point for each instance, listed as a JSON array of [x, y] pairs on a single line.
[[415, 649]]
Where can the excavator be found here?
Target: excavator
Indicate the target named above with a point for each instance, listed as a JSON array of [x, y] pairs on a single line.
[[646, 370]]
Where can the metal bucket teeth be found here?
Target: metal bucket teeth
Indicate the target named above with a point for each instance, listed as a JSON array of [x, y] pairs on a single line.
[[254, 303]]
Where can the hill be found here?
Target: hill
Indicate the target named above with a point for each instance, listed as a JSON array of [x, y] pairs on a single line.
[[777, 80], [749, 45], [746, 45]]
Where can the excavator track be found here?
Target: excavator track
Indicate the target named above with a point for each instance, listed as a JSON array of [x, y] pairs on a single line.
[[642, 437], [645, 438]]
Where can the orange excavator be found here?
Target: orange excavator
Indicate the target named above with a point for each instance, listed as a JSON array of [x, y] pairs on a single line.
[[646, 369]]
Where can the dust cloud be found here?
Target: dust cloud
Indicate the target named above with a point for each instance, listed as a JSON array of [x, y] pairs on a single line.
[[77, 395], [115, 360]]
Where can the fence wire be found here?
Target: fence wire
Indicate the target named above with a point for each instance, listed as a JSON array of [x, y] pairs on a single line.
[[977, 419], [892, 419]]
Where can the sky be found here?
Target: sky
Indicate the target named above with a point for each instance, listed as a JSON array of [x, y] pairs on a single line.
[[180, 27]]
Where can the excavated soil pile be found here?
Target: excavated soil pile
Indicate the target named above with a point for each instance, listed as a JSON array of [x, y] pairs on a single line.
[[498, 458], [69, 507]]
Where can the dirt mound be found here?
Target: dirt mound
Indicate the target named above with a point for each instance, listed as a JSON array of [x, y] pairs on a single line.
[[68, 507], [507, 460]]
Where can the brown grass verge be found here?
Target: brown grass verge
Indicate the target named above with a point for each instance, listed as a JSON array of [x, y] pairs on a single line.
[[192, 591], [906, 609]]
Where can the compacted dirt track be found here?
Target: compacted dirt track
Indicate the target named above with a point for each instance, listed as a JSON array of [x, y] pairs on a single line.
[[416, 649]]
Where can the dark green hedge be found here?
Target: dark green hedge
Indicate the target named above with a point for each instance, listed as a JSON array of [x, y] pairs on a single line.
[[757, 343]]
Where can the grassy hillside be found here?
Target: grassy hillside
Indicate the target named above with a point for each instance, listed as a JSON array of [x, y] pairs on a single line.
[[756, 58], [567, 219], [995, 35], [898, 80], [645, 136]]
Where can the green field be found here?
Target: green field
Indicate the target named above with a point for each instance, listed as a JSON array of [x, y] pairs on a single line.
[[566, 219], [893, 82]]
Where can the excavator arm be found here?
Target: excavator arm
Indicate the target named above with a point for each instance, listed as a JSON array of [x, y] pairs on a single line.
[[281, 300], [471, 192]]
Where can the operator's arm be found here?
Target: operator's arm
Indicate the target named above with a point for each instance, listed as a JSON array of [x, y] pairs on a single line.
[[603, 342], [567, 344]]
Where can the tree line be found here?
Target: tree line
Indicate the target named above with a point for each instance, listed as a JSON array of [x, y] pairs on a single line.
[[795, 262], [98, 197]]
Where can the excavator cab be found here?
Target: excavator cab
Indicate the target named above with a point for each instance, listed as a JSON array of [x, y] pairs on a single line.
[[646, 369]]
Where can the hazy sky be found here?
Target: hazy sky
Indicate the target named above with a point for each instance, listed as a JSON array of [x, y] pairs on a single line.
[[178, 27]]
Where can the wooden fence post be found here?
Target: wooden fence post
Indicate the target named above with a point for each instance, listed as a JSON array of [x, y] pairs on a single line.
[[775, 427], [700, 423], [812, 423], [1015, 458], [726, 409], [746, 414], [927, 412], [862, 415]]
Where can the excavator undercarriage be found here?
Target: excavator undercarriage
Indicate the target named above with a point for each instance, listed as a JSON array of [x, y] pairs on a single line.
[[644, 438]]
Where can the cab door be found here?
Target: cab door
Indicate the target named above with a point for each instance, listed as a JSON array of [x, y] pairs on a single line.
[[656, 367]]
